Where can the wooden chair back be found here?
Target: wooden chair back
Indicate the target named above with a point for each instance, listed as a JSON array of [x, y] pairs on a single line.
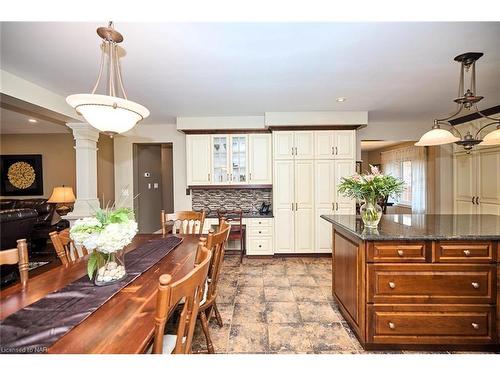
[[216, 243], [232, 217], [17, 256], [190, 289], [65, 247], [182, 222]]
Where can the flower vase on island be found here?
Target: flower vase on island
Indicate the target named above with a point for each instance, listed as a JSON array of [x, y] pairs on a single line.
[[369, 188], [106, 234]]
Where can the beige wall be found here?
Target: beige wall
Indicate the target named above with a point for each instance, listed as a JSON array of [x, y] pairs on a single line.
[[59, 162], [58, 156], [124, 170], [105, 170]]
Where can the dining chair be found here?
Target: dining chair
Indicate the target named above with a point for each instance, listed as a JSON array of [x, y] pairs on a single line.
[[19, 256], [65, 247], [190, 289], [216, 243], [182, 222], [235, 219]]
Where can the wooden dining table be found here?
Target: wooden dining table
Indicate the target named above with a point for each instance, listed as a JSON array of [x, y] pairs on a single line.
[[125, 323]]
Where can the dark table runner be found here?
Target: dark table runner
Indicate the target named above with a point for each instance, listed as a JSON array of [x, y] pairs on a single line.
[[37, 326]]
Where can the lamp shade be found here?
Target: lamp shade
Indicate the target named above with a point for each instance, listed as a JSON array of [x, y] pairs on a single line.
[[108, 114], [437, 136], [492, 138], [62, 194]]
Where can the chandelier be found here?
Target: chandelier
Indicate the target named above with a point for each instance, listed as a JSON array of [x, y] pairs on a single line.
[[466, 101], [112, 113]]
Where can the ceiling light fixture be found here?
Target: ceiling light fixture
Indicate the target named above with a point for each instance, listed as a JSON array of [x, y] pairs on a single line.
[[341, 99], [112, 113], [466, 101], [32, 120]]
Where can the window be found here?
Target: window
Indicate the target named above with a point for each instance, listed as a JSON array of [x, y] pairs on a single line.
[[406, 176]]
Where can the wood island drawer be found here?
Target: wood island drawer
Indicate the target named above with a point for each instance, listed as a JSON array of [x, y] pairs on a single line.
[[465, 252], [396, 252], [444, 324], [437, 283]]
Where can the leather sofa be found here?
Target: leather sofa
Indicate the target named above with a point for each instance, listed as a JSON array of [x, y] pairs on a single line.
[[47, 220], [15, 224]]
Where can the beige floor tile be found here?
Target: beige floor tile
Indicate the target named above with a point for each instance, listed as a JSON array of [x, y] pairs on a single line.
[[248, 338], [249, 295], [308, 293], [327, 292], [282, 312], [250, 280], [226, 311], [274, 270], [296, 269], [249, 313], [289, 338], [302, 280], [320, 312], [323, 279], [273, 294], [276, 281], [251, 270], [328, 337]]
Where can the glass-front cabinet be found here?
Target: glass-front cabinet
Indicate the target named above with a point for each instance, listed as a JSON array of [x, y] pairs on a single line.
[[229, 159], [239, 159]]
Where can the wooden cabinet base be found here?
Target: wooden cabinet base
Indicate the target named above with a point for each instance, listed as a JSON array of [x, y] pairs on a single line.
[[420, 295]]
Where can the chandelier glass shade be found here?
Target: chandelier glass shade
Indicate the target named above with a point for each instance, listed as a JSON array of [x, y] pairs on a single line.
[[466, 101], [112, 113]]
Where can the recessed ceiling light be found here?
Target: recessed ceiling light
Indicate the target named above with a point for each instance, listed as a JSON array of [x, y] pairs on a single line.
[[32, 120], [341, 99]]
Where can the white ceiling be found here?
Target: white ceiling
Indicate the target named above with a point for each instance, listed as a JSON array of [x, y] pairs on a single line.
[[400, 73], [12, 122]]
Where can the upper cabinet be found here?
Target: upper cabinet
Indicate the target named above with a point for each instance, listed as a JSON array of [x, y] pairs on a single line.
[[198, 149], [229, 159], [260, 159], [335, 144], [293, 145]]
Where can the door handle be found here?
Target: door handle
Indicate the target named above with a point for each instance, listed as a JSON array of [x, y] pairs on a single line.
[[336, 150], [337, 206], [292, 206], [333, 150], [333, 206], [477, 200], [296, 206], [473, 200], [209, 177]]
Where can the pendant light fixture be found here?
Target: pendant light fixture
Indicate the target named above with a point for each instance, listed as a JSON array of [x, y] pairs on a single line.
[[466, 101], [112, 113]]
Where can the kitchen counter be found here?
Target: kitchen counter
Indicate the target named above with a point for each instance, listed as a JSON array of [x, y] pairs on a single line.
[[248, 215], [422, 227], [425, 282]]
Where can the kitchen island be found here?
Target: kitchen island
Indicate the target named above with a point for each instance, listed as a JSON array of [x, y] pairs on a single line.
[[419, 281]]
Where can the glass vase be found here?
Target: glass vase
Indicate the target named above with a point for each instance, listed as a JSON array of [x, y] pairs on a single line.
[[371, 213], [113, 269]]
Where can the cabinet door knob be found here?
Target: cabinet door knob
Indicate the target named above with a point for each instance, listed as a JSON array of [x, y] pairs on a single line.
[[401, 253], [467, 253], [392, 325], [392, 285], [260, 245], [260, 222], [260, 232], [333, 151], [475, 325], [475, 285]]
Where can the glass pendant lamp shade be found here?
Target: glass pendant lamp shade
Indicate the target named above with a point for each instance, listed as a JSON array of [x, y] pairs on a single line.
[[436, 137], [492, 138], [108, 114], [112, 113]]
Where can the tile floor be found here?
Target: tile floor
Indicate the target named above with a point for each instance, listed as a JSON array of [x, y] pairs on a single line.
[[278, 305]]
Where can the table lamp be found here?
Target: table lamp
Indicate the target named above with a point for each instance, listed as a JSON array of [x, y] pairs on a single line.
[[64, 198]]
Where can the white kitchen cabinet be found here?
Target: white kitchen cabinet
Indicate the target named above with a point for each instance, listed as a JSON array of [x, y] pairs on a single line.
[[293, 145], [335, 144], [304, 206], [260, 159], [328, 201], [198, 160], [220, 159], [477, 181], [259, 236], [283, 206], [229, 159]]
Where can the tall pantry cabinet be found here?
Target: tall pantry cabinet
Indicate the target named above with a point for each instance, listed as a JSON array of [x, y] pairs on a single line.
[[308, 166]]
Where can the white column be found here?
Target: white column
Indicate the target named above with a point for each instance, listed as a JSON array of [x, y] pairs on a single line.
[[86, 138]]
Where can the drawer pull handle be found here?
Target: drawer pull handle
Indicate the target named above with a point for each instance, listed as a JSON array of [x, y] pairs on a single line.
[[393, 326], [260, 232], [260, 222], [260, 245], [401, 253], [467, 253], [392, 285], [475, 285], [475, 325]]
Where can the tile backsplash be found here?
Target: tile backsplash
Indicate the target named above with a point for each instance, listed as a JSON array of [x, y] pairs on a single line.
[[230, 199]]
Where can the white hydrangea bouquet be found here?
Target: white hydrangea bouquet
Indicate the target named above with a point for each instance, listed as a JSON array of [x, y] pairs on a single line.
[[106, 234]]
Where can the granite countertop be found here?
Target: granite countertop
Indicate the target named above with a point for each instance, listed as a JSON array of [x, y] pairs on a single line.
[[422, 227], [246, 215]]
